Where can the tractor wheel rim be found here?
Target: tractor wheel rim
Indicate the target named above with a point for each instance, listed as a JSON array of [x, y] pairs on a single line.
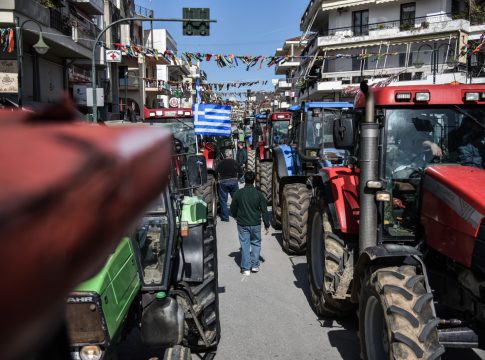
[[376, 338]]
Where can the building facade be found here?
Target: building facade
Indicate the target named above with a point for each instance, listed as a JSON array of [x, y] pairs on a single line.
[[68, 28], [384, 41]]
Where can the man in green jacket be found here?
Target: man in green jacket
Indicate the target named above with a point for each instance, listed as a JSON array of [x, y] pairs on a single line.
[[247, 207]]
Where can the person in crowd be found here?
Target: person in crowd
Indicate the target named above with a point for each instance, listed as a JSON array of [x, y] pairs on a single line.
[[241, 157], [469, 144], [228, 173], [248, 207]]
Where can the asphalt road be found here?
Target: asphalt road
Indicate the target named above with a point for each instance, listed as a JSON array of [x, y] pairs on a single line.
[[268, 315]]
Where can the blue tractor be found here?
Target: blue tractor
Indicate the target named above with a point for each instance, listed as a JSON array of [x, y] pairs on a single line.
[[309, 148]]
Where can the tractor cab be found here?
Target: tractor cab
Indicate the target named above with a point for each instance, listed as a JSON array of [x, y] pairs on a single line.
[[422, 128], [278, 128], [311, 135]]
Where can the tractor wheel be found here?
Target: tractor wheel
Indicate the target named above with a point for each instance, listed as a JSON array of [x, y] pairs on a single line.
[[325, 250], [177, 352], [206, 298], [208, 192], [396, 316], [257, 172], [265, 172], [276, 211], [294, 211], [251, 166]]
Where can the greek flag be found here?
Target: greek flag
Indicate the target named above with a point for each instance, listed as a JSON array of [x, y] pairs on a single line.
[[210, 119]]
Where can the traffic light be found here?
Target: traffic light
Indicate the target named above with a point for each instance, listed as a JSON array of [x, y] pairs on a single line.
[[190, 27]]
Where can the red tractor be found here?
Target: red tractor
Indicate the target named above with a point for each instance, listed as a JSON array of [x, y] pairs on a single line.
[[399, 232], [273, 132]]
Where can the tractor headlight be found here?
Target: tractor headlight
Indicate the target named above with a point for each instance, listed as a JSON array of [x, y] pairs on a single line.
[[90, 352]]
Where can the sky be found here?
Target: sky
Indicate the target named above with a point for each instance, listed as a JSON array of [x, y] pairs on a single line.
[[244, 27]]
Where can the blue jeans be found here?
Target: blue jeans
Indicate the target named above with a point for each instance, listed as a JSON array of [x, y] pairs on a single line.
[[250, 239], [226, 187]]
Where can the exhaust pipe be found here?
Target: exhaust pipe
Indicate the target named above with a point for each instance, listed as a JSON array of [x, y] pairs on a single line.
[[368, 157]]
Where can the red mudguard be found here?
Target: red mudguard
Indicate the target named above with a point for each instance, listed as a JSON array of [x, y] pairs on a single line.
[[452, 209], [344, 186]]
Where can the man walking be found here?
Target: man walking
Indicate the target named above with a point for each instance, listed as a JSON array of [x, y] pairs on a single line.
[[247, 207], [241, 157], [228, 172]]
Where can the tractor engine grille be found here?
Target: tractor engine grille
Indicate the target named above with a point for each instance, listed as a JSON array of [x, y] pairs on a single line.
[[85, 321]]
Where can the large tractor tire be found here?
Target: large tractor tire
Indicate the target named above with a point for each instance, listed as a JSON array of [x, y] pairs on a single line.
[[208, 192], [325, 249], [396, 318], [177, 352], [251, 164], [265, 175], [294, 216], [206, 296], [275, 195]]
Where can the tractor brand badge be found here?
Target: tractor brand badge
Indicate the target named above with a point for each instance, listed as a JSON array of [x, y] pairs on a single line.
[[80, 299]]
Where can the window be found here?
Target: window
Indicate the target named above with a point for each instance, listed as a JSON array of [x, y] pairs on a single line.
[[360, 22], [408, 14]]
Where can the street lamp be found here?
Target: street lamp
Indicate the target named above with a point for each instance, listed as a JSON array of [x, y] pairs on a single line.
[[40, 47]]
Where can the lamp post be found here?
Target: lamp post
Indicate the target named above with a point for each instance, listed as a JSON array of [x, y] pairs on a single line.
[[97, 43], [40, 47]]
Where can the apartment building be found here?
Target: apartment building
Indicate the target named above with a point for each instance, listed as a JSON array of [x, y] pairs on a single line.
[[68, 28], [384, 41], [285, 93]]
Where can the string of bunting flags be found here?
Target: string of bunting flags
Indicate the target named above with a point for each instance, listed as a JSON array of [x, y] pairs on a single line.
[[473, 47], [7, 40]]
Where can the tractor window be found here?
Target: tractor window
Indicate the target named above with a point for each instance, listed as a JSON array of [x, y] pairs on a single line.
[[417, 138], [319, 128], [280, 132], [152, 238]]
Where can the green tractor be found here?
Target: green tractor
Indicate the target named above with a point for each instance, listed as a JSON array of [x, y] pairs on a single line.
[[161, 279]]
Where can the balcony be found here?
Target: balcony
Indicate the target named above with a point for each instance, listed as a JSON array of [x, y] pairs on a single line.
[[156, 85], [283, 85], [90, 7], [345, 37], [84, 32], [143, 11], [283, 67], [60, 22]]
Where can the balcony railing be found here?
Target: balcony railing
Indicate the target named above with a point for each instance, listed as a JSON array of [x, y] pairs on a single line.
[[422, 22], [143, 11], [60, 22]]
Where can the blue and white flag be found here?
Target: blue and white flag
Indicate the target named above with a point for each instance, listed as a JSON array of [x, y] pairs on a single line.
[[198, 99], [211, 119]]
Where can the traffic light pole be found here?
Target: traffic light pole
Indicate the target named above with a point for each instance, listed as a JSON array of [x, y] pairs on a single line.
[[97, 41]]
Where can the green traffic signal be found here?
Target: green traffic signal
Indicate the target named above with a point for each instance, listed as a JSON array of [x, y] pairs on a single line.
[[191, 27]]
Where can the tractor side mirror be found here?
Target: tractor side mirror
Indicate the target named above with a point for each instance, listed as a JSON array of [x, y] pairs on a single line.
[[196, 170], [343, 132]]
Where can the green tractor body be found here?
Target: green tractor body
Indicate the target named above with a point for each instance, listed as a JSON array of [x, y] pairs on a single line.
[[162, 278]]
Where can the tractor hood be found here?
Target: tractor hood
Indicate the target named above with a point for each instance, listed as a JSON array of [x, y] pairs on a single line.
[[461, 188]]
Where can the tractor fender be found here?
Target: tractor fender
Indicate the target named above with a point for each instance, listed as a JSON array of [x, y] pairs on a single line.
[[337, 189], [280, 162], [191, 255], [288, 159], [384, 254]]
